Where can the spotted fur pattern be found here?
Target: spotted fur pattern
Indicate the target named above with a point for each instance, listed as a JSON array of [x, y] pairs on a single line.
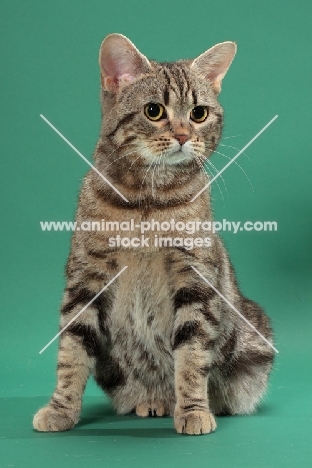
[[159, 340]]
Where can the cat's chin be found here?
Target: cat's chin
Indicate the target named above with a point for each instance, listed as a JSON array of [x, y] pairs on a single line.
[[176, 158]]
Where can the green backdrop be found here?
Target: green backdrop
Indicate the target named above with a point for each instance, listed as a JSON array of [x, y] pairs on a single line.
[[49, 53]]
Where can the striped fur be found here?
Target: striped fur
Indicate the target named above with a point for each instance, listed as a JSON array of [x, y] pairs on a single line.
[[159, 340]]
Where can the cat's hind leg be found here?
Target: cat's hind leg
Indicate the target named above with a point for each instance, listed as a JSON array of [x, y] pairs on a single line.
[[152, 408], [238, 384]]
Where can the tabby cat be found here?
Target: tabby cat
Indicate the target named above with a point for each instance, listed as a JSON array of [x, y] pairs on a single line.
[[159, 340]]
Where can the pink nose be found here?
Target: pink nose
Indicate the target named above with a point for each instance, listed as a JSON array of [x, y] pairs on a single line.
[[181, 138]]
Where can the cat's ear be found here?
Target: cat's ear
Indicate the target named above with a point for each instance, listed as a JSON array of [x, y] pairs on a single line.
[[121, 62], [215, 62]]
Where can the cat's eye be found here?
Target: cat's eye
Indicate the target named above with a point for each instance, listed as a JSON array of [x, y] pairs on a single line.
[[199, 114], [154, 111]]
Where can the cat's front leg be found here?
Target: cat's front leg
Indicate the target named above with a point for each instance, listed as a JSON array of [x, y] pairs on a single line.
[[78, 347], [73, 370], [193, 339]]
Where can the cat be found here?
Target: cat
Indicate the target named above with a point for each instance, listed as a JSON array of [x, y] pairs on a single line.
[[159, 340]]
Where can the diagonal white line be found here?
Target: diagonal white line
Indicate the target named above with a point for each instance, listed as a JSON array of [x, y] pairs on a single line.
[[84, 308], [235, 157], [235, 310], [85, 159]]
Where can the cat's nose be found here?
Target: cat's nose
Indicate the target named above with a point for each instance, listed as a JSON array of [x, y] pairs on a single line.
[[181, 138]]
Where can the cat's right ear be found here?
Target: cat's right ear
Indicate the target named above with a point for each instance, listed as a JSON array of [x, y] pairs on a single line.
[[121, 62]]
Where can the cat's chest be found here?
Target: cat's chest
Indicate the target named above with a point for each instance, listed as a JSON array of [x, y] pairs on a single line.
[[142, 309]]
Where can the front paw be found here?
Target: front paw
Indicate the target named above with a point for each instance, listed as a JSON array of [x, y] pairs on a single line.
[[194, 422], [50, 420]]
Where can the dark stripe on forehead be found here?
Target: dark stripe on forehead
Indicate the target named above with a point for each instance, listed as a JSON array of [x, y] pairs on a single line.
[[187, 83], [126, 119], [166, 75], [194, 95], [170, 79], [179, 79], [166, 96]]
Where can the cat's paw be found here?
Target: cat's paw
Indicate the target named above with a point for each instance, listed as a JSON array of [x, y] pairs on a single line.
[[194, 422], [152, 408], [50, 420]]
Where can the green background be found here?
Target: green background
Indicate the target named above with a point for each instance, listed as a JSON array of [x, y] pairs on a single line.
[[49, 53]]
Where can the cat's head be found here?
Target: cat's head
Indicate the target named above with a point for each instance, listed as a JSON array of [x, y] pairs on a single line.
[[160, 113]]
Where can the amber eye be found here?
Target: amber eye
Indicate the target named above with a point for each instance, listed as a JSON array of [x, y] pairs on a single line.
[[199, 114], [154, 112]]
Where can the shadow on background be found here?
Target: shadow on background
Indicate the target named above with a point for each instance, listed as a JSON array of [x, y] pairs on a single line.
[[97, 420]]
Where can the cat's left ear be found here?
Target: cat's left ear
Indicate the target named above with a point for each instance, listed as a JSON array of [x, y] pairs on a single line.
[[121, 62], [215, 62]]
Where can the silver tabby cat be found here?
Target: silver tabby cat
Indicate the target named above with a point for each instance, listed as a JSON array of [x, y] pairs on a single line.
[[159, 340]]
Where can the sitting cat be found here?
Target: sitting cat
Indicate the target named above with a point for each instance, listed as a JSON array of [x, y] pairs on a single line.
[[159, 340]]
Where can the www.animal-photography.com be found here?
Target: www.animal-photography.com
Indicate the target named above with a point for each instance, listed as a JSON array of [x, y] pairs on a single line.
[[156, 234]]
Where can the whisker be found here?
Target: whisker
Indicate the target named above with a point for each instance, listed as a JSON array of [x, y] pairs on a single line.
[[149, 167], [159, 163], [214, 167], [134, 162], [124, 155], [121, 157], [237, 149], [221, 154], [198, 159], [200, 163], [205, 168], [164, 161], [206, 160], [233, 136], [118, 148], [153, 194]]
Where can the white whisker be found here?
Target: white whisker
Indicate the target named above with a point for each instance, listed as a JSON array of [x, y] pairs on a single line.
[[221, 154], [233, 136], [237, 149], [219, 188], [156, 164], [149, 167], [134, 162], [118, 148], [206, 160], [214, 167], [199, 158], [123, 156]]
